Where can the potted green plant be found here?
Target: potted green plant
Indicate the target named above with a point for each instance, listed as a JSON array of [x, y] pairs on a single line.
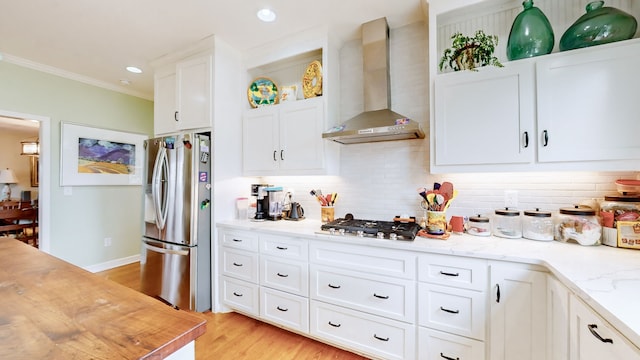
[[469, 53]]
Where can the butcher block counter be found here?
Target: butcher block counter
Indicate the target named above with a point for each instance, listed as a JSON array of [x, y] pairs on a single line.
[[50, 309]]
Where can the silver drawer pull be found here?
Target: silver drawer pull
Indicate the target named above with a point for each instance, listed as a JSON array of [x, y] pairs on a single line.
[[281, 248], [236, 264], [380, 338], [334, 286], [592, 328], [448, 358], [236, 294], [380, 296], [450, 311], [334, 325], [449, 274], [283, 275], [282, 309]]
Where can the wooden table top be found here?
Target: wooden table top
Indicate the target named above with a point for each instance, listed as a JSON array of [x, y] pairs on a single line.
[[50, 309]]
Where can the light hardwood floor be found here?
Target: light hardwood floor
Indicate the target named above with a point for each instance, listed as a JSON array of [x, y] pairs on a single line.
[[235, 336]]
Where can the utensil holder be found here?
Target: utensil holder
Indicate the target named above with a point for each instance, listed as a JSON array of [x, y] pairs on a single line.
[[436, 222], [326, 214]]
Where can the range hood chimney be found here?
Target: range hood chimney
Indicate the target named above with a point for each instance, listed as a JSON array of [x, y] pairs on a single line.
[[378, 122]]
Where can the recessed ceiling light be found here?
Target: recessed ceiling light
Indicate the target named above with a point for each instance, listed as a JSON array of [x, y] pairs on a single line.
[[266, 15], [134, 69]]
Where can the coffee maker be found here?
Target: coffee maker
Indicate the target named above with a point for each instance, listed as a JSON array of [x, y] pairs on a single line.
[[262, 201], [275, 200]]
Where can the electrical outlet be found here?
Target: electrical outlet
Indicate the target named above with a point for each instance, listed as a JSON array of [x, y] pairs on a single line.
[[107, 241], [511, 198]]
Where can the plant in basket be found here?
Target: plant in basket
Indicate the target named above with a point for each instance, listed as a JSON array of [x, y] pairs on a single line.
[[469, 53]]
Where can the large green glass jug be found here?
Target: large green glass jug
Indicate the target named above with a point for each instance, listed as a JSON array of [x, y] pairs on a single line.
[[600, 25], [531, 34]]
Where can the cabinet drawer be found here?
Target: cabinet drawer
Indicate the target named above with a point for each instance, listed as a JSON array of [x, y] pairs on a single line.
[[286, 275], [283, 246], [378, 336], [241, 295], [462, 272], [380, 295], [284, 309], [244, 240], [365, 259], [239, 264], [457, 311], [436, 345]]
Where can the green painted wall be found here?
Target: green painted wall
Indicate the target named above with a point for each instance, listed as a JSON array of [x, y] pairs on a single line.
[[81, 221]]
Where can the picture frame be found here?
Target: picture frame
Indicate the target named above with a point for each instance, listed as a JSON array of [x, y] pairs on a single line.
[[91, 156], [35, 170]]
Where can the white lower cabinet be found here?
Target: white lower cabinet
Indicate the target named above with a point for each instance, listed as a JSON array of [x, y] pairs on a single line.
[[517, 312], [438, 345], [284, 309], [557, 320], [241, 295], [374, 335], [592, 338]]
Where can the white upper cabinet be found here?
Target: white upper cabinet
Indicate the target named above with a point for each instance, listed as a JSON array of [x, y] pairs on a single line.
[[571, 110], [286, 138]]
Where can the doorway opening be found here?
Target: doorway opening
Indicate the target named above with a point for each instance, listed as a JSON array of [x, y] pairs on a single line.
[[43, 173]]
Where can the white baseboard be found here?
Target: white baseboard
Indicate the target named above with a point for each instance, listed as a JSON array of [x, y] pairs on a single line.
[[112, 264]]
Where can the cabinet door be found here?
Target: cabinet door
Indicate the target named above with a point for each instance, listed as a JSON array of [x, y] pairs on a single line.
[[518, 313], [592, 338], [557, 320], [485, 117], [260, 146], [301, 143], [588, 106], [194, 92], [164, 103]]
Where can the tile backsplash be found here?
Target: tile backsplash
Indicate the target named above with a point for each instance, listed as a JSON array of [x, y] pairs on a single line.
[[380, 180]]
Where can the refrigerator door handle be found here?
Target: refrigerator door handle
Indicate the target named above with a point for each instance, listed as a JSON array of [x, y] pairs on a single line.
[[160, 168], [166, 251]]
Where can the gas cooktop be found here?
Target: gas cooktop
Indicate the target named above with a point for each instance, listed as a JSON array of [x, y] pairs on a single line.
[[393, 230]]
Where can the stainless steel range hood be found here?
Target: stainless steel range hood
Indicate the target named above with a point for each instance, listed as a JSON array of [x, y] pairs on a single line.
[[378, 122]]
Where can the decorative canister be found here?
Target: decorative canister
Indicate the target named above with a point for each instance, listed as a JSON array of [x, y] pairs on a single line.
[[479, 225], [507, 223], [578, 224], [600, 25], [537, 225], [531, 34]]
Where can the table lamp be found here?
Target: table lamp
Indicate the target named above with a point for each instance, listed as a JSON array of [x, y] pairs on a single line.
[[7, 177]]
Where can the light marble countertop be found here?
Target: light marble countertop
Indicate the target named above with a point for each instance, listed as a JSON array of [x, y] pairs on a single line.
[[606, 278]]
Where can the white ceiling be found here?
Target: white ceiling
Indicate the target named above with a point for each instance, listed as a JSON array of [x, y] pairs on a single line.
[[98, 39]]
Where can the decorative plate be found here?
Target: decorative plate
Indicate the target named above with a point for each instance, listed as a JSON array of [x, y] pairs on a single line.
[[262, 91], [312, 80]]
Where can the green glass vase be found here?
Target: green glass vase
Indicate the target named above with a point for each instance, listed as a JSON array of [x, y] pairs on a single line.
[[531, 34], [600, 25]]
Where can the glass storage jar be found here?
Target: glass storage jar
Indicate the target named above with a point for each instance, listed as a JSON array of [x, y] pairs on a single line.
[[479, 226], [578, 224], [619, 208], [507, 223], [537, 225]]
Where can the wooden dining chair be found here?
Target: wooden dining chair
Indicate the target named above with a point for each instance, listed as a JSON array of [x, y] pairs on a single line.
[[9, 204], [22, 224]]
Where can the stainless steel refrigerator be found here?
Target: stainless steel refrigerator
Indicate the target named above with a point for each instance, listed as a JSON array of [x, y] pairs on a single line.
[[176, 243]]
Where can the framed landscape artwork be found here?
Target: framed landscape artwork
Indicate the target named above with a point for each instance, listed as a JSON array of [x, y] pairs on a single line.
[[95, 156]]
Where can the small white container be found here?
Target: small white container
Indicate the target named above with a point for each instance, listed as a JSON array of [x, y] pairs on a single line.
[[479, 226], [507, 224], [537, 225]]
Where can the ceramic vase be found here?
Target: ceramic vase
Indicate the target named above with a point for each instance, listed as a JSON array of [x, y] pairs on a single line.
[[531, 34], [600, 25]]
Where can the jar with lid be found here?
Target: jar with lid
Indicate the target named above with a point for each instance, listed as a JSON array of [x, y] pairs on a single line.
[[578, 224], [619, 208], [537, 225], [479, 225], [507, 223]]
